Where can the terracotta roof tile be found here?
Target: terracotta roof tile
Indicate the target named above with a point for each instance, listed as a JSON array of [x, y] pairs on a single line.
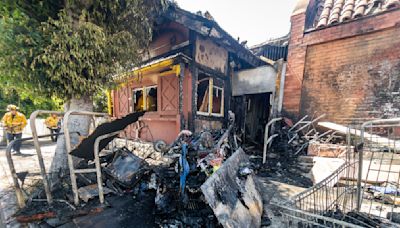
[[323, 19], [392, 4], [347, 11], [337, 11], [361, 7]]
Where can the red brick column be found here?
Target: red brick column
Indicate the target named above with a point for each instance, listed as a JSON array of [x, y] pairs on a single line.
[[295, 68]]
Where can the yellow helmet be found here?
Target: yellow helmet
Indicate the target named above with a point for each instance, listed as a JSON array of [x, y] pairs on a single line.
[[11, 107]]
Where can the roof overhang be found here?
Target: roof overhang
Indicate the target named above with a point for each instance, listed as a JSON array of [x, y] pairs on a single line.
[[163, 66]]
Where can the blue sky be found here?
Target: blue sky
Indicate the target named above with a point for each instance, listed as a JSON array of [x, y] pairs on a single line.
[[253, 20]]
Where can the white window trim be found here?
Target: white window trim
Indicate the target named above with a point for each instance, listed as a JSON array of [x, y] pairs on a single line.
[[144, 92], [221, 114], [210, 98]]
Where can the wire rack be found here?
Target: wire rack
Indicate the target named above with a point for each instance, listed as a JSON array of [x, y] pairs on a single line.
[[344, 198], [379, 175]]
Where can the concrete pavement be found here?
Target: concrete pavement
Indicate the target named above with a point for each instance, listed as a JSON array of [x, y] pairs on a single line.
[[28, 162]]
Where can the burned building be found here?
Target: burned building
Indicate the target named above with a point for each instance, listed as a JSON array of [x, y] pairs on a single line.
[[344, 60], [185, 81], [257, 93]]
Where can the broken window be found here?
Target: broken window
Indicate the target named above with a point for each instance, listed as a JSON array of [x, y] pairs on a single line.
[[145, 99], [217, 100], [138, 100], [151, 99], [203, 95], [209, 101]]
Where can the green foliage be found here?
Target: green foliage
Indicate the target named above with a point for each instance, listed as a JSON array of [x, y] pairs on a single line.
[[26, 101], [72, 48], [100, 101]]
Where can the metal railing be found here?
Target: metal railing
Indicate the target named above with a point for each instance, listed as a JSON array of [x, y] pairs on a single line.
[[32, 120], [371, 162], [293, 217], [10, 161], [314, 206], [97, 162], [268, 139], [329, 194], [72, 170], [378, 184], [326, 204]]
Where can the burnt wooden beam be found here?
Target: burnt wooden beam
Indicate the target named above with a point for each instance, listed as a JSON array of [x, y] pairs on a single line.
[[181, 95], [195, 77], [212, 72]]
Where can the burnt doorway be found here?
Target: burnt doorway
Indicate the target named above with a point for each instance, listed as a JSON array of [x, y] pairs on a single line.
[[252, 113]]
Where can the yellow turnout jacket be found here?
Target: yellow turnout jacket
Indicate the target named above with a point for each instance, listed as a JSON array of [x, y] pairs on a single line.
[[14, 124], [51, 122]]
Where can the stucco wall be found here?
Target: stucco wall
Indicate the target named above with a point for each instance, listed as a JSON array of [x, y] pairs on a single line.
[[211, 55]]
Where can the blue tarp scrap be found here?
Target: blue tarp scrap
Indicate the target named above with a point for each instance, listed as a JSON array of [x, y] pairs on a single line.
[[183, 163]]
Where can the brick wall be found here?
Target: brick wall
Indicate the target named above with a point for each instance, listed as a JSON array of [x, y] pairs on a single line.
[[295, 67], [353, 79], [326, 65]]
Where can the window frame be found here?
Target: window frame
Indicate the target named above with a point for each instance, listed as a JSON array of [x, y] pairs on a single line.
[[133, 98], [144, 92], [145, 100], [210, 98]]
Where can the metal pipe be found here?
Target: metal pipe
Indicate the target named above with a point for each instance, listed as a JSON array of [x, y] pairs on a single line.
[[266, 133], [97, 162], [322, 135], [18, 190], [32, 120], [360, 161], [332, 221], [266, 143], [333, 135], [298, 122], [311, 122], [69, 149]]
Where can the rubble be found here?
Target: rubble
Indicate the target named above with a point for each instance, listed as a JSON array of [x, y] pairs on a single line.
[[126, 168], [91, 191], [232, 195], [329, 150], [204, 179], [166, 184]]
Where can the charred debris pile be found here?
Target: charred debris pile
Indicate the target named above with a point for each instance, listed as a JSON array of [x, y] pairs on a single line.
[[176, 192]]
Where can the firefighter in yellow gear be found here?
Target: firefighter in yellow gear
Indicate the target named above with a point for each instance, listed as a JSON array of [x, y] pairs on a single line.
[[14, 123], [53, 124]]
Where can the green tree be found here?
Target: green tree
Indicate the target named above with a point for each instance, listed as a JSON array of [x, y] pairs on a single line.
[[70, 49]]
